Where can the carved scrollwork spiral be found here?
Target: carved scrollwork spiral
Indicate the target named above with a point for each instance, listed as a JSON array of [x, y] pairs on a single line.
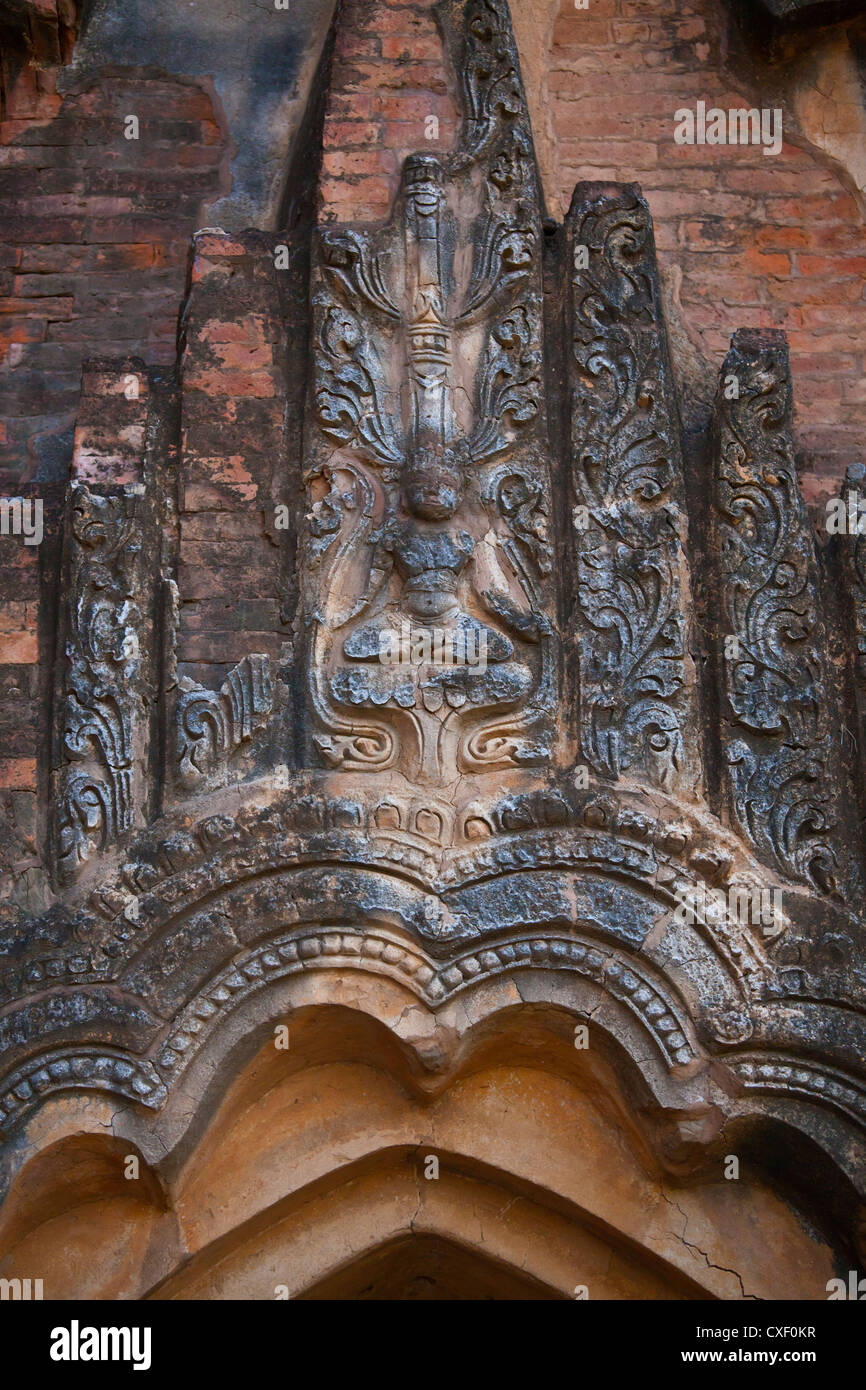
[[782, 765], [349, 390], [629, 515], [510, 383], [213, 723], [491, 82], [106, 688]]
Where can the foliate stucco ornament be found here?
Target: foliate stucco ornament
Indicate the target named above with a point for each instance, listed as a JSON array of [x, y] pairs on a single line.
[[211, 724], [108, 693], [852, 543], [782, 761], [636, 675]]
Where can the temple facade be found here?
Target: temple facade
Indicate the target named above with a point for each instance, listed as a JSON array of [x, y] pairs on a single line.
[[436, 716]]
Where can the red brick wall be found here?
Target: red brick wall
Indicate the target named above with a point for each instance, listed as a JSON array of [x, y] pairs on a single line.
[[19, 654], [92, 258], [94, 239], [760, 241], [389, 76], [233, 400], [94, 244]]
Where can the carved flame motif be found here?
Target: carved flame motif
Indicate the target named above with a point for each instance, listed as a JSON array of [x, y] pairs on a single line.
[[103, 651], [782, 765], [428, 487], [627, 471]]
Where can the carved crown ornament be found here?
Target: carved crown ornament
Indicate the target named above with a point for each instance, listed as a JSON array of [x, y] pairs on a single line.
[[558, 701]]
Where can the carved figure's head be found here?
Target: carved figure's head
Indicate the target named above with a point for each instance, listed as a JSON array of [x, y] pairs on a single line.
[[433, 479], [423, 178]]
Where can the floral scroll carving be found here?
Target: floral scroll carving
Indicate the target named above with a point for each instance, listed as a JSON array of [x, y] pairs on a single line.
[[629, 516], [488, 452], [211, 724], [855, 569], [783, 772], [104, 714]]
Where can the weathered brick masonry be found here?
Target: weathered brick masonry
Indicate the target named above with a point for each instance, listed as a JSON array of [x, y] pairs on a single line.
[[94, 249], [775, 242], [233, 388], [391, 93], [94, 240]]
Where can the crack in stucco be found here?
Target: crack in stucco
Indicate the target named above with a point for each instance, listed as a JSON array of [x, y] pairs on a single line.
[[690, 1245]]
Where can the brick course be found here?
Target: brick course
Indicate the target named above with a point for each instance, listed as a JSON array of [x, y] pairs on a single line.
[[233, 395], [390, 76], [769, 242], [94, 248]]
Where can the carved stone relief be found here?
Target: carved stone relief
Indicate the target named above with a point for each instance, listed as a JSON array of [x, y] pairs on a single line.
[[636, 676], [782, 762], [103, 724], [212, 724], [432, 645]]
